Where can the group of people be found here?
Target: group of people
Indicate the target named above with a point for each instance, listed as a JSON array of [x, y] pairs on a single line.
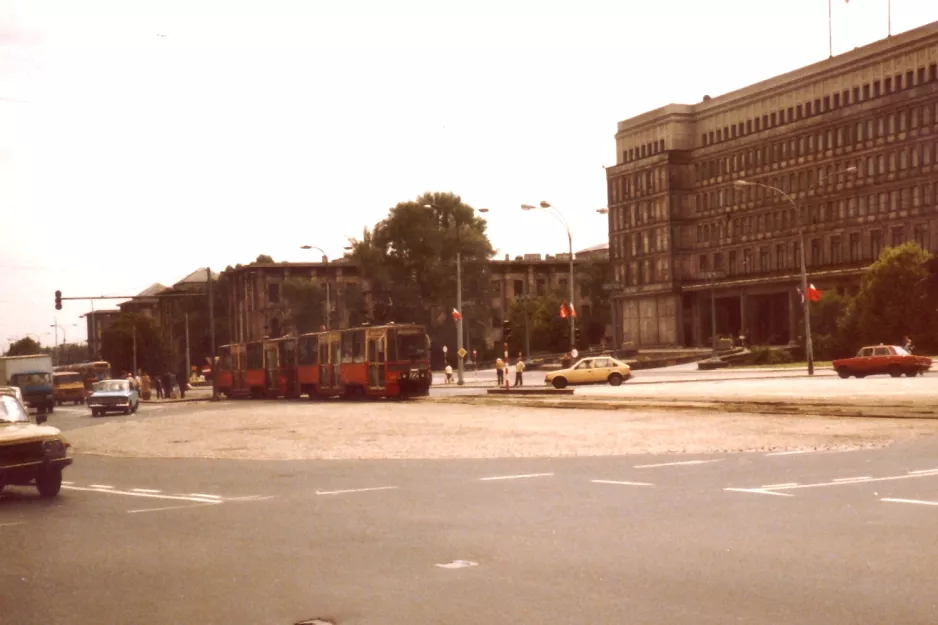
[[165, 386], [501, 370]]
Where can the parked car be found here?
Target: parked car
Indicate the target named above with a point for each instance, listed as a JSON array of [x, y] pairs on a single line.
[[594, 370], [882, 359], [13, 391], [30, 453], [113, 396]]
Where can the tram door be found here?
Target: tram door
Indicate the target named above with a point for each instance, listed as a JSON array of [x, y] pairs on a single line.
[[325, 369], [271, 370], [376, 359], [335, 358]]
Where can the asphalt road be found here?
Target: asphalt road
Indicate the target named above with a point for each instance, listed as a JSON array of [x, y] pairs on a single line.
[[820, 537]]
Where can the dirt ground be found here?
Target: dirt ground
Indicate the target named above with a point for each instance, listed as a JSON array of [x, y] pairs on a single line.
[[288, 430]]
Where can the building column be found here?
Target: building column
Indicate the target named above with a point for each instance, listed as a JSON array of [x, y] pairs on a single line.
[[697, 320], [743, 310]]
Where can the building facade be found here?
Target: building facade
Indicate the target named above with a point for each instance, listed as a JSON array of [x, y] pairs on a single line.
[[258, 309], [849, 146], [96, 323], [145, 303]]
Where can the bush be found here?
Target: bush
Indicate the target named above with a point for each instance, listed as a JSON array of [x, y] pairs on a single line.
[[767, 356]]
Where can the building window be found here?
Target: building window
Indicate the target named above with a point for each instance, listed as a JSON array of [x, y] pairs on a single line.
[[897, 236], [764, 263], [519, 288], [273, 293], [836, 251], [781, 260], [540, 286], [702, 262], [747, 260], [876, 243], [921, 236], [733, 261], [816, 256], [855, 247]]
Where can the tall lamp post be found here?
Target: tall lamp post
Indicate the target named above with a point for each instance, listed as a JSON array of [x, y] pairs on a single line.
[[806, 309], [711, 277], [445, 211], [555, 212], [325, 259]]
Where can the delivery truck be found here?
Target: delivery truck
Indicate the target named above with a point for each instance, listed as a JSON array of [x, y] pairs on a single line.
[[33, 376]]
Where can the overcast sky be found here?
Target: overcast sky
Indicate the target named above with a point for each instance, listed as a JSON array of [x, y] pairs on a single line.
[[142, 139]]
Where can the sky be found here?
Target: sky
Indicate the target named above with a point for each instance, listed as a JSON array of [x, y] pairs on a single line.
[[142, 139]]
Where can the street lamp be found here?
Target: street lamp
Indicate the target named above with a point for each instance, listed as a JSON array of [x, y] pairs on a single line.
[[808, 346], [711, 277], [551, 210], [460, 368], [325, 259]]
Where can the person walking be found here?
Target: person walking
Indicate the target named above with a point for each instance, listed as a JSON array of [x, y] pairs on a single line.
[[566, 361], [158, 386], [500, 370], [183, 386], [449, 373], [519, 371], [145, 386], [907, 344]]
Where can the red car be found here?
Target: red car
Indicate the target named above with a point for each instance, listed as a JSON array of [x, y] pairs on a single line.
[[881, 359]]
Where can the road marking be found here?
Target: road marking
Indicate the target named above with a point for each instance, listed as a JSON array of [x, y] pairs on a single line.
[[354, 490], [11, 524], [64, 482], [759, 491], [918, 501], [100, 485], [853, 479], [145, 490], [130, 493], [791, 453], [204, 495], [623, 483], [861, 480], [196, 505], [922, 471], [458, 564], [780, 485], [674, 464], [250, 498], [513, 477]]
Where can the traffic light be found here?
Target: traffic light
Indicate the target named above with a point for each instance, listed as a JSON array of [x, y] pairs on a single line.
[[576, 334], [58, 300], [506, 330]]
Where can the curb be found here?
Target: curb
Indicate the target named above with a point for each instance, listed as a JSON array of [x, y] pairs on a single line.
[[174, 401], [708, 405]]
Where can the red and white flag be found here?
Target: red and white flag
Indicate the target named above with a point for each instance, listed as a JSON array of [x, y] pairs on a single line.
[[572, 311], [563, 310], [814, 294], [456, 315]]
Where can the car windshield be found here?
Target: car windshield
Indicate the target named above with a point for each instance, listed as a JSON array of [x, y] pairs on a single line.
[[68, 378], [412, 346], [112, 385], [11, 410], [30, 379]]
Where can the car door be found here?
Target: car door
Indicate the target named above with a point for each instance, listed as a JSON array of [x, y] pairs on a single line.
[[581, 372], [863, 361], [880, 360], [602, 367]]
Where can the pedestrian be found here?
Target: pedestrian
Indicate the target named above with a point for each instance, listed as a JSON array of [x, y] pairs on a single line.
[[158, 386], [183, 386], [168, 385], [565, 362], [907, 344], [145, 386], [449, 373], [500, 371], [519, 371]]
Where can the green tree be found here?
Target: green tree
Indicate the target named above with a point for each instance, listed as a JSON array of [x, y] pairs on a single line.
[[263, 259], [892, 301], [24, 347], [828, 339], [408, 262], [548, 331], [306, 304], [117, 344], [592, 277]]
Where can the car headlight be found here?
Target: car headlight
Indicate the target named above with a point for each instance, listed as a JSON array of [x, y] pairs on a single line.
[[53, 449]]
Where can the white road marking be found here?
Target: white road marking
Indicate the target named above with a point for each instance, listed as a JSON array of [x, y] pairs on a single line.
[[790, 453], [250, 498], [853, 479], [100, 485], [623, 483], [918, 501], [780, 485], [204, 495], [195, 505], [458, 564], [64, 482], [354, 490], [130, 493], [11, 524], [922, 471], [145, 490], [760, 491], [674, 464], [513, 477]]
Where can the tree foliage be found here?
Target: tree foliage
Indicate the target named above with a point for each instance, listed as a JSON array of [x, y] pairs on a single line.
[[26, 346], [408, 262], [306, 304], [892, 301], [263, 259], [117, 344]]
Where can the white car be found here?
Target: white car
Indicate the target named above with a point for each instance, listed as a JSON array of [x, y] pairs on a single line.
[[15, 391]]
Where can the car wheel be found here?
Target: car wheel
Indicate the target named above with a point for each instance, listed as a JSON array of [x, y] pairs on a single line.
[[134, 408], [843, 372], [49, 482], [895, 371], [911, 373], [615, 379], [560, 382]]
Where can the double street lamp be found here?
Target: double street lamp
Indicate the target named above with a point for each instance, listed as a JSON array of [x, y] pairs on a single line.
[[446, 211], [325, 259], [806, 310]]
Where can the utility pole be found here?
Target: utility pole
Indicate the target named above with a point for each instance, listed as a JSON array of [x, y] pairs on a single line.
[[56, 355], [135, 350], [211, 333], [188, 355]]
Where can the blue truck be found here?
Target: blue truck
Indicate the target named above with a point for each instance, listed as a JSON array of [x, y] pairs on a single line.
[[33, 375]]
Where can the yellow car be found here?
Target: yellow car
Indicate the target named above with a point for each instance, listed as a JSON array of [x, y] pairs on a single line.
[[596, 370]]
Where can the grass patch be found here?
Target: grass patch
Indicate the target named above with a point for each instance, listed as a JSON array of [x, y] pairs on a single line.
[[787, 365]]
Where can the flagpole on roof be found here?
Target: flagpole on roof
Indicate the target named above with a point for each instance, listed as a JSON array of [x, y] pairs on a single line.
[[830, 31], [889, 18]]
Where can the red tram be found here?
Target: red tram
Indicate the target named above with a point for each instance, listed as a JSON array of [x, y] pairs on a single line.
[[391, 360]]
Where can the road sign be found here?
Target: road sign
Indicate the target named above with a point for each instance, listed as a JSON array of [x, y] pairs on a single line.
[[462, 352], [445, 349], [574, 353]]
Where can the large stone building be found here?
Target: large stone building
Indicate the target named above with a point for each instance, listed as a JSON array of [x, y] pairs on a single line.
[[852, 141]]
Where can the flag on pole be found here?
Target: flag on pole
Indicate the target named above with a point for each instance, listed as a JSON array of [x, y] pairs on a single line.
[[456, 315], [814, 294], [563, 310], [572, 311], [801, 294]]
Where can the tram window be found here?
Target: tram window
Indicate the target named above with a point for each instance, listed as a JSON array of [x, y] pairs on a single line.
[[347, 347], [308, 350], [358, 346], [392, 345], [288, 353], [255, 356]]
